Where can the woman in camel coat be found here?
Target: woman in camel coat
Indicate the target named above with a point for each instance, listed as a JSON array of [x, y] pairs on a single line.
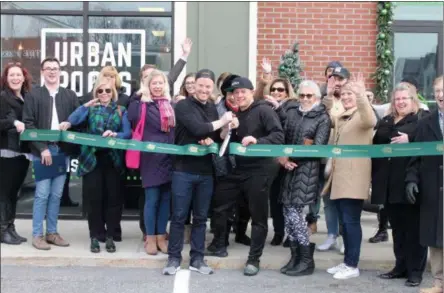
[[349, 181]]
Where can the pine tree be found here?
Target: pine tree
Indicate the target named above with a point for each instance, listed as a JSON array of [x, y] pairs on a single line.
[[291, 66]]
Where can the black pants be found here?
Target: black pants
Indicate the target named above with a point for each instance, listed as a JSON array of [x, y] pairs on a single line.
[[411, 257], [13, 173], [254, 190], [276, 208], [103, 193]]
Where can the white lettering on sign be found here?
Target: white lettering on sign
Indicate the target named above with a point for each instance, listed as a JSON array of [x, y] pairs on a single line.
[[71, 57]]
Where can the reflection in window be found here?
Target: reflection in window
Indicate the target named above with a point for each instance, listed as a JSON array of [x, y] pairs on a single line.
[[128, 43], [39, 5], [162, 6], [23, 43], [425, 10], [417, 59]]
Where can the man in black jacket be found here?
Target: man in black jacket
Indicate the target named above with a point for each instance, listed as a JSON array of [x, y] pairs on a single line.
[[424, 180], [253, 176], [48, 107], [192, 181]]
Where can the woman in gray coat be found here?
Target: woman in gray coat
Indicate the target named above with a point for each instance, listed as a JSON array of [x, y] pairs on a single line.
[[307, 123]]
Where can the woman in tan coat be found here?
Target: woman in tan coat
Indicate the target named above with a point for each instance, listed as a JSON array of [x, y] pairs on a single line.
[[350, 178]]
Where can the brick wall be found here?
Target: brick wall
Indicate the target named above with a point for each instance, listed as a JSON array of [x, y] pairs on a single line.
[[326, 31]]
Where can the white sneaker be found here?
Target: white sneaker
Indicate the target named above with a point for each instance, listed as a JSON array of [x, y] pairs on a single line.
[[330, 243], [346, 273], [336, 269]]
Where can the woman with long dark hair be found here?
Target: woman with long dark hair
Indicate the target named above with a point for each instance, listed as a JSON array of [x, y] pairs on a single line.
[[15, 83]]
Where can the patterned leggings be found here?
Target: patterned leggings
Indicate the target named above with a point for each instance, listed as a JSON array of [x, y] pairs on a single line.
[[295, 224]]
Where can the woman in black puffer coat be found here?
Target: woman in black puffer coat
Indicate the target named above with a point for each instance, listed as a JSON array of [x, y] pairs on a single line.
[[307, 123]]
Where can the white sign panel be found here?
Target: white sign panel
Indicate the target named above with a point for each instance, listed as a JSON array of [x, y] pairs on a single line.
[[100, 54]]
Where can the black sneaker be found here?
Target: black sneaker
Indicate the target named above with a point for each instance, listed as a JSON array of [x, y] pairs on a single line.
[[171, 268], [110, 246], [201, 266], [251, 268], [95, 246]]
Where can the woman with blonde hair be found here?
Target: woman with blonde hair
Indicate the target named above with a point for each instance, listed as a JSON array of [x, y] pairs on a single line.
[[388, 186], [154, 100], [350, 178], [101, 168]]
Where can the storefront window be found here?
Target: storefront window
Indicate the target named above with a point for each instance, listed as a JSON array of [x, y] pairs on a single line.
[[128, 43], [418, 62], [40, 5], [131, 6]]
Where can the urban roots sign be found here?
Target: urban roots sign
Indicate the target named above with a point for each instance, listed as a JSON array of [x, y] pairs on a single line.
[[314, 151], [116, 53]]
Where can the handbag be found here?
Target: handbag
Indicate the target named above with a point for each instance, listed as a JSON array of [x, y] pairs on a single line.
[[132, 157]]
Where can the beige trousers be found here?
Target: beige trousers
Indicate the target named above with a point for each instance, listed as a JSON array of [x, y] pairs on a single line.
[[436, 256]]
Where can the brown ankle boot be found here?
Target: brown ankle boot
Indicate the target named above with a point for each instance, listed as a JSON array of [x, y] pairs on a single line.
[[151, 245], [162, 243]]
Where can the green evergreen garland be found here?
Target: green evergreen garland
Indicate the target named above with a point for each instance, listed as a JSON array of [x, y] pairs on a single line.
[[384, 53], [291, 67]]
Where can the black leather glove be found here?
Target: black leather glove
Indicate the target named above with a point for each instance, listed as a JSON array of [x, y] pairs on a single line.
[[411, 191]]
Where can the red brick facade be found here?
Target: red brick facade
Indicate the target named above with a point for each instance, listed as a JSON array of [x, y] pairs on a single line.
[[326, 31]]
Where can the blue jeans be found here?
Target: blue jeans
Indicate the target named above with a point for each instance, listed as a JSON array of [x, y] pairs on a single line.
[[349, 211], [331, 215], [157, 209], [48, 193], [187, 188]]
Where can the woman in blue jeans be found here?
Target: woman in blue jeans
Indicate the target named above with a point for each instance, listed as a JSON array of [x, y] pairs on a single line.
[[349, 181], [155, 168]]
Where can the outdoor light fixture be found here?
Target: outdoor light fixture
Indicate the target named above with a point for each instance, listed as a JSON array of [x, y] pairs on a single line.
[[159, 34]]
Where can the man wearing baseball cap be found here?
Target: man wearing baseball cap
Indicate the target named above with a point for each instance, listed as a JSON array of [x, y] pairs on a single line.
[[192, 180], [251, 179]]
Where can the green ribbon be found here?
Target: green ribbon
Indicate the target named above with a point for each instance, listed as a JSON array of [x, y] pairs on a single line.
[[435, 148]]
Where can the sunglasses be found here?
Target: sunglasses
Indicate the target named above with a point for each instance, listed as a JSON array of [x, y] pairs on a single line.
[[100, 91], [278, 89], [308, 96]]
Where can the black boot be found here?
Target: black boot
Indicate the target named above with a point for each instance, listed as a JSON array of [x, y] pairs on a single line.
[[7, 237], [381, 235], [277, 239], [306, 265], [286, 242], [217, 247], [294, 258], [15, 234]]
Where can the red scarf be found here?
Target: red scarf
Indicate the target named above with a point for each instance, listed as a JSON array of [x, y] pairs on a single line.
[[230, 106], [167, 119]]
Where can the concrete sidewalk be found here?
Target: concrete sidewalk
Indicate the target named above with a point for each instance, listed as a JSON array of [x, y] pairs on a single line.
[[130, 252]]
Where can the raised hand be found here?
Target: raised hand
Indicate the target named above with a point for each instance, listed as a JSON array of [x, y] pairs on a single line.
[[186, 46], [266, 65], [330, 86]]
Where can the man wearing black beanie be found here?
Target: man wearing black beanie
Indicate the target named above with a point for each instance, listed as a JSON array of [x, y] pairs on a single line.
[[197, 122], [252, 178]]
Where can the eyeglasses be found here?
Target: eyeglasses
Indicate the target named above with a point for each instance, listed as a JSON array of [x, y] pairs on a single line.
[[403, 99], [303, 96], [278, 89], [100, 91], [53, 69], [14, 64]]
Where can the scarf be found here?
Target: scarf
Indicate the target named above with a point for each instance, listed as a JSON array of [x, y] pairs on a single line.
[[231, 107], [308, 110], [167, 119]]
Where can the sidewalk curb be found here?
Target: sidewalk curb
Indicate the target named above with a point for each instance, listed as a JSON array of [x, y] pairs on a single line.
[[159, 262]]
